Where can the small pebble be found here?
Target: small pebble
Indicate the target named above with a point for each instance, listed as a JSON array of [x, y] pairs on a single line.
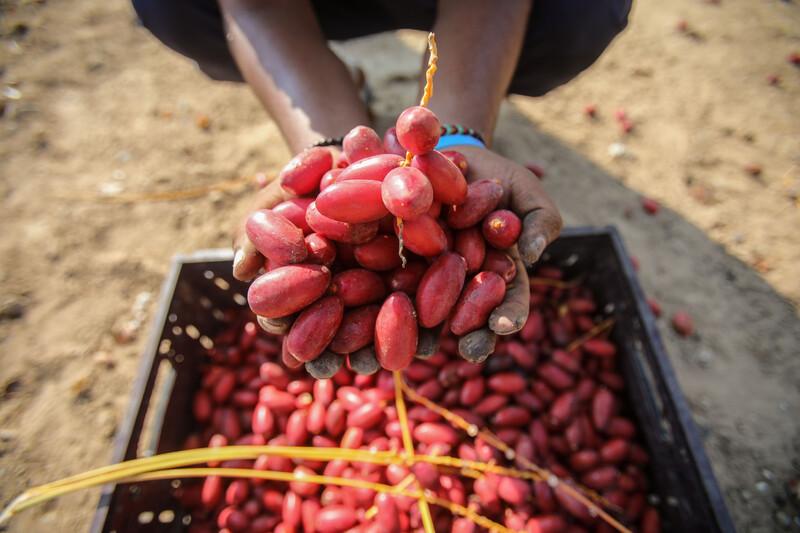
[[784, 406], [617, 150], [111, 189], [704, 357], [762, 486], [12, 307], [767, 474], [11, 93]]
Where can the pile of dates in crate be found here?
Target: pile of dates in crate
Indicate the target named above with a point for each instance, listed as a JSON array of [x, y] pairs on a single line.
[[563, 410]]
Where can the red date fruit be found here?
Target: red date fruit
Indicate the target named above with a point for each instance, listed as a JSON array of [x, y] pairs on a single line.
[[448, 183], [502, 228], [481, 295], [422, 236], [599, 347], [358, 286], [391, 144], [507, 383], [361, 142], [336, 518], [434, 433], [303, 173], [406, 279], [603, 407], [276, 237], [328, 179], [371, 168], [682, 323], [288, 289], [500, 263], [380, 254], [314, 328], [418, 130], [321, 250], [346, 232], [482, 197], [353, 201], [407, 193], [458, 159], [439, 289], [470, 244], [295, 211], [356, 330], [396, 332]]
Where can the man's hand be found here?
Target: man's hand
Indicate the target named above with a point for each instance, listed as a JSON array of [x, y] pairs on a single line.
[[541, 224]]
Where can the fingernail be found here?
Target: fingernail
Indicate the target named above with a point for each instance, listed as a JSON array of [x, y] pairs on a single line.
[[504, 324], [238, 257], [538, 246]]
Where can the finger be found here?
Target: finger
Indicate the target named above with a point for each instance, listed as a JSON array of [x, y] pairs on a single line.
[[276, 326], [428, 341], [364, 361], [539, 229], [326, 365], [511, 314], [246, 260], [476, 346], [541, 221]]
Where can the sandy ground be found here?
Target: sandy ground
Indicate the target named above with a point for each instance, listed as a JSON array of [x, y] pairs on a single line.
[[94, 108]]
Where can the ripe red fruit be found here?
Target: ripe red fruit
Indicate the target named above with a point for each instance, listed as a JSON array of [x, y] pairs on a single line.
[[625, 125], [590, 109], [794, 58], [655, 307], [620, 114], [536, 169], [458, 159], [682, 323], [501, 228], [407, 193], [650, 206], [752, 168], [391, 143], [418, 130]]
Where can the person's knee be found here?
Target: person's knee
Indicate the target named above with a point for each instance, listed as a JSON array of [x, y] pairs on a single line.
[[192, 28]]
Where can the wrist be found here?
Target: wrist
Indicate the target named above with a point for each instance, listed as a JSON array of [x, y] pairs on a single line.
[[456, 134]]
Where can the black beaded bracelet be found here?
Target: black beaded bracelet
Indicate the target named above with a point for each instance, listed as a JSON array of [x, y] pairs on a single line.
[[458, 129], [330, 141]]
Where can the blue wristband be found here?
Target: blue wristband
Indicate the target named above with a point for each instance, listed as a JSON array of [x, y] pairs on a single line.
[[446, 141]]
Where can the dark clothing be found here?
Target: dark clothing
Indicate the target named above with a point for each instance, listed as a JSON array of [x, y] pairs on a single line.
[[563, 37]]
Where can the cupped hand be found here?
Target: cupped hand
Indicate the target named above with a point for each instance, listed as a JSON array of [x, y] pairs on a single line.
[[523, 194]]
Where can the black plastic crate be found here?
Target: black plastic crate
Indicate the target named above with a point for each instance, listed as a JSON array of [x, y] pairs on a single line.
[[199, 289]]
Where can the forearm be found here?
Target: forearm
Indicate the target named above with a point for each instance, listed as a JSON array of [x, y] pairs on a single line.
[[479, 43], [283, 55]]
